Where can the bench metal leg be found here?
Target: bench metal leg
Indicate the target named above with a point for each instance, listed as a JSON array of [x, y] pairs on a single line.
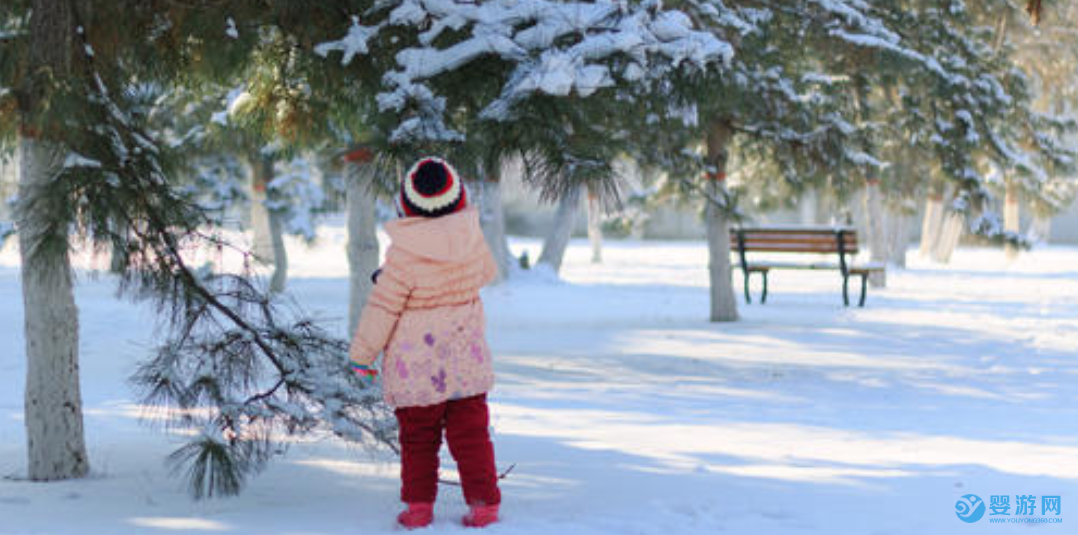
[[763, 296], [864, 289], [748, 297], [846, 290]]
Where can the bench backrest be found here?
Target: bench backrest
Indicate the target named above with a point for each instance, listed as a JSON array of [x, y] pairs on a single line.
[[794, 240]]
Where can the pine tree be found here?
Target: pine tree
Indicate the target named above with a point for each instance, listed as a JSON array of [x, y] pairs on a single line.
[[537, 93], [53, 405], [776, 103], [801, 106], [235, 363], [238, 364]]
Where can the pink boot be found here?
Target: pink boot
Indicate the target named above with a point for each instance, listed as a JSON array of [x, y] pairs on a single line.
[[418, 515], [481, 516]]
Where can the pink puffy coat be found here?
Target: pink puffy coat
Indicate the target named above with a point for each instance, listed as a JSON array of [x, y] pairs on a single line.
[[425, 313]]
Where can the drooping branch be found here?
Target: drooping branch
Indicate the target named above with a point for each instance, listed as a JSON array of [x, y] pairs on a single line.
[[235, 362]]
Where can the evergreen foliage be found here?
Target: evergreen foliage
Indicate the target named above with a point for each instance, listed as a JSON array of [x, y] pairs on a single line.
[[234, 362], [172, 95]]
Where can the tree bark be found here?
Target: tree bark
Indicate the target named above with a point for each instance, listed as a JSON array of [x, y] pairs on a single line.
[[1011, 214], [362, 248], [266, 223], [56, 445], [595, 228], [8, 181], [932, 224], [723, 298], [953, 225], [807, 206], [876, 222], [54, 426], [492, 220], [898, 236], [557, 239]]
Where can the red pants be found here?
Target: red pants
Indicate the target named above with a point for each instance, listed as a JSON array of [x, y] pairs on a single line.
[[465, 422]]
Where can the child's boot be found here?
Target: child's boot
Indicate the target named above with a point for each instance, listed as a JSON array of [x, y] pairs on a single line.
[[481, 515], [417, 515]]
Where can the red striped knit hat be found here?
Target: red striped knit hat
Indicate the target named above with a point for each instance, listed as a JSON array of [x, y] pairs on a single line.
[[432, 188]]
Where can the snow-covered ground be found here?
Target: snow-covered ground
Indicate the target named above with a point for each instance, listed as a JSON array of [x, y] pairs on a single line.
[[625, 411]]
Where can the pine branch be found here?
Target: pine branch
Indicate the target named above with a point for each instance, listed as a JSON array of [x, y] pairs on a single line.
[[501, 476], [229, 362]]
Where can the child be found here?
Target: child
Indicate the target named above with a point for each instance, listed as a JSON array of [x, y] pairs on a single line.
[[425, 314]]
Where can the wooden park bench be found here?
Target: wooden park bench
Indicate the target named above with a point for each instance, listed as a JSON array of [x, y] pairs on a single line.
[[841, 241]]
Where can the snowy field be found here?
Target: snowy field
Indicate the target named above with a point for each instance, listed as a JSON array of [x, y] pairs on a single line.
[[625, 411]]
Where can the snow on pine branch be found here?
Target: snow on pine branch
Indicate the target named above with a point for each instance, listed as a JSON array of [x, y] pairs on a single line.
[[557, 48], [854, 14], [352, 44], [75, 159]]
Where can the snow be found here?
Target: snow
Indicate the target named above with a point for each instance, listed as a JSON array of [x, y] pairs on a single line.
[[672, 25], [237, 101], [928, 62], [352, 44], [625, 411], [525, 33], [75, 159]]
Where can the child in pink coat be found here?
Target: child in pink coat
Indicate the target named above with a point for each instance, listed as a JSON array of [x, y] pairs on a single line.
[[425, 315]]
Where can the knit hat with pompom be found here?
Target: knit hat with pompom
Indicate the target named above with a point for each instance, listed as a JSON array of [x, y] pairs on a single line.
[[432, 188]]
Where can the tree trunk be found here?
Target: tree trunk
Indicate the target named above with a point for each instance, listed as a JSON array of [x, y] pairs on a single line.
[[807, 207], [953, 225], [1040, 229], [932, 224], [595, 228], [557, 240], [266, 222], [280, 255], [56, 444], [632, 176], [492, 219], [362, 248], [261, 240], [1011, 216], [898, 236], [723, 299], [876, 224], [8, 181], [54, 428]]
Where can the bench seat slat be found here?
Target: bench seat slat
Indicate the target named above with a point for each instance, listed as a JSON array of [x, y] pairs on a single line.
[[795, 248], [795, 237], [824, 241], [829, 231], [792, 265], [815, 234], [807, 243]]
